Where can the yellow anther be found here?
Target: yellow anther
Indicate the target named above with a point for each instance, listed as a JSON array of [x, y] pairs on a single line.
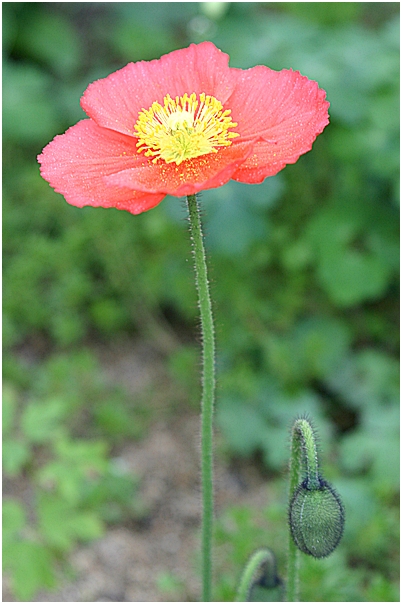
[[183, 128]]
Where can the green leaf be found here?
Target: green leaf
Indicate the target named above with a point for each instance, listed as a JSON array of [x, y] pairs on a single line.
[[86, 526], [313, 349], [31, 566], [347, 237], [115, 496], [169, 583], [50, 38], [77, 461], [235, 216], [117, 420], [374, 447], [350, 276], [16, 454], [9, 408], [321, 343], [29, 114], [89, 456], [62, 524], [242, 425], [14, 519], [54, 517], [41, 421], [368, 381]]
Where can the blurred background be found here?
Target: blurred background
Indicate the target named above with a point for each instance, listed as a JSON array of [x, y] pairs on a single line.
[[100, 323]]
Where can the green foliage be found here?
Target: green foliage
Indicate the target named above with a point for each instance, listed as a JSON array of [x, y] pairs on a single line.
[[76, 487], [241, 529], [304, 272], [169, 584], [31, 566], [355, 249]]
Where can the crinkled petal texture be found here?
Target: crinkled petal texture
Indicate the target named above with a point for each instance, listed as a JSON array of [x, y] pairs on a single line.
[[283, 112], [77, 163], [96, 162], [116, 101]]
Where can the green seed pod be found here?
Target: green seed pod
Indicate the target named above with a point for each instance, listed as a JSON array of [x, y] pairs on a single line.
[[316, 518]]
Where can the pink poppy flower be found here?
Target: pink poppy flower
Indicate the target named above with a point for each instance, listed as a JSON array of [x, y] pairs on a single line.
[[181, 124]]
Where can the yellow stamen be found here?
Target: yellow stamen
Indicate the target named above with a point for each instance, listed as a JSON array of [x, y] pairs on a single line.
[[183, 128]]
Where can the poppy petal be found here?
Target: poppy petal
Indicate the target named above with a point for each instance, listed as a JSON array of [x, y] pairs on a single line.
[[285, 110], [75, 164], [205, 172], [115, 101]]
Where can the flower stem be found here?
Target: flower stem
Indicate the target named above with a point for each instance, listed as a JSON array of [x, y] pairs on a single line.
[[316, 513], [303, 450], [208, 388], [263, 562], [292, 584]]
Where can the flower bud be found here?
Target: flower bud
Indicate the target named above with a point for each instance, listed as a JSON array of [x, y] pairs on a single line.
[[316, 518]]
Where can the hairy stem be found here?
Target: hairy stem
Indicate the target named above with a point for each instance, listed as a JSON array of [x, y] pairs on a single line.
[[303, 460], [316, 512], [208, 389], [292, 583], [263, 559]]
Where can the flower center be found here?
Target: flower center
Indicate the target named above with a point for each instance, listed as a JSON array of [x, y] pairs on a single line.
[[183, 128]]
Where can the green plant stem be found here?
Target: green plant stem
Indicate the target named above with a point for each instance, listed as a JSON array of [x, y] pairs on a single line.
[[303, 455], [292, 583], [208, 389], [261, 557]]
